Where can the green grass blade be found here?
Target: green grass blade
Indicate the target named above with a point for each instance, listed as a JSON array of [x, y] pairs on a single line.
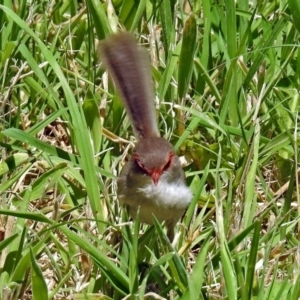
[[186, 58], [101, 22], [13, 162], [39, 287], [167, 25], [22, 136], [139, 14], [168, 72], [250, 178], [197, 276], [260, 56], [252, 261], [295, 11], [231, 27], [7, 241]]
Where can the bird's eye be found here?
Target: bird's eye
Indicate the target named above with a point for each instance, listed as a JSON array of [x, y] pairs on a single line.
[[167, 165], [137, 160]]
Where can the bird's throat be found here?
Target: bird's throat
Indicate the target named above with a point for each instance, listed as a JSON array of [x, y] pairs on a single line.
[[167, 194]]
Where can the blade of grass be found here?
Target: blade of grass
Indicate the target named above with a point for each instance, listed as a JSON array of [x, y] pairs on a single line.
[[168, 72], [268, 42], [197, 276], [139, 14], [228, 270], [295, 11], [101, 23], [252, 261], [168, 31], [24, 137], [39, 286], [250, 195], [186, 57]]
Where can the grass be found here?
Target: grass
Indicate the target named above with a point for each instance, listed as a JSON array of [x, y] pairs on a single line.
[[227, 83]]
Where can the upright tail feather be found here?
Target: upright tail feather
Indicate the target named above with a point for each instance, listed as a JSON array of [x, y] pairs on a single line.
[[129, 67]]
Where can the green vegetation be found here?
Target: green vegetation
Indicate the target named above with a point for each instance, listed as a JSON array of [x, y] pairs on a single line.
[[227, 83]]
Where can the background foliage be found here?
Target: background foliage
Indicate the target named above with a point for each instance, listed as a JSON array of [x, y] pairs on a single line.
[[226, 76]]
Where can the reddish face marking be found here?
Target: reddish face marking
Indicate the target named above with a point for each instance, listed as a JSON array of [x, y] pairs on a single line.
[[155, 173]]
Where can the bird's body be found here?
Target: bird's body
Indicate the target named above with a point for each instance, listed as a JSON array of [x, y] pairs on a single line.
[[167, 200], [152, 181]]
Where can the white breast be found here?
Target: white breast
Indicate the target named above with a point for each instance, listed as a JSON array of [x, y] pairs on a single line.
[[168, 195]]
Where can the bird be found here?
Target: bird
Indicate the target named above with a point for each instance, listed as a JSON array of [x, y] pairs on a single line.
[[152, 182]]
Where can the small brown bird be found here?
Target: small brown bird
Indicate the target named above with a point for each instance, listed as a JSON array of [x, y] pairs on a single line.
[[152, 180]]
